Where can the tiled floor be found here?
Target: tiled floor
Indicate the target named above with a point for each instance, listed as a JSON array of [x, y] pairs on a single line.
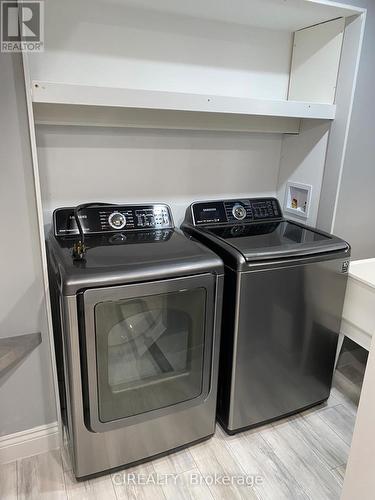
[[302, 457]]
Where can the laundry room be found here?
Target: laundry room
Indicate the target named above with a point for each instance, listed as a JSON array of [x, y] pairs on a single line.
[[189, 314]]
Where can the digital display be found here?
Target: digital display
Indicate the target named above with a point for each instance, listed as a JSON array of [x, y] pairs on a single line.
[[259, 204], [205, 213], [265, 209]]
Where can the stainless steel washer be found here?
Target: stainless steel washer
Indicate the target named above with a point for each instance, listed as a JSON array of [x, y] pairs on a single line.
[[136, 324], [283, 297]]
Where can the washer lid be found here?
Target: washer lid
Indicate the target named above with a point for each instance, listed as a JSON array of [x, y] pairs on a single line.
[[276, 239], [116, 259]]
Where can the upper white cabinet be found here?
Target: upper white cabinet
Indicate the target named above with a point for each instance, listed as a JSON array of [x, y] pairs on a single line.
[[285, 15], [315, 62], [268, 58]]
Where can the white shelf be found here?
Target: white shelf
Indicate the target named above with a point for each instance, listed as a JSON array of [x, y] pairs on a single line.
[[96, 116], [77, 95], [288, 15]]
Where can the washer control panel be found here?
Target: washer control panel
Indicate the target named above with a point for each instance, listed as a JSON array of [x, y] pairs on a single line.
[[112, 218], [233, 211]]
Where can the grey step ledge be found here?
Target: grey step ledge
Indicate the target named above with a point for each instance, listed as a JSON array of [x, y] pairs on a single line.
[[15, 349]]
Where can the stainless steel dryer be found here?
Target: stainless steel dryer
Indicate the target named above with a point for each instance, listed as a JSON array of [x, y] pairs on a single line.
[[136, 322], [283, 297]]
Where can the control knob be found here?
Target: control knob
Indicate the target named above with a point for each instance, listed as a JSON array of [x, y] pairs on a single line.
[[239, 212], [117, 220]]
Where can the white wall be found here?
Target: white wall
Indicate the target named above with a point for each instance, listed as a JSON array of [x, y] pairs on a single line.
[[80, 164], [26, 394], [355, 210], [302, 161]]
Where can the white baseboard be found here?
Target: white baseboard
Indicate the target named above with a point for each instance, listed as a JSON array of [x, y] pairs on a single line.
[[30, 442]]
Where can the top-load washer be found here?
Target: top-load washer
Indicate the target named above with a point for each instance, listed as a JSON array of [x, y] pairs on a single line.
[[137, 309], [283, 297]]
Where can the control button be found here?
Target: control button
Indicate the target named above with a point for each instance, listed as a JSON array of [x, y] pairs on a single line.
[[239, 212], [117, 220], [117, 239], [237, 230]]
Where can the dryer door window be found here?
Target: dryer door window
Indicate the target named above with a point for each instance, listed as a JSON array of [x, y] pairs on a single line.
[[152, 351], [149, 352]]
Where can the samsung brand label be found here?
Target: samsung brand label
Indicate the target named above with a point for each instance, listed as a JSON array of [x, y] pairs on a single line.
[[345, 266]]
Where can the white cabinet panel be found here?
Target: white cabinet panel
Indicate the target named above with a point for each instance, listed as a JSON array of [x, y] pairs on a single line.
[[315, 62]]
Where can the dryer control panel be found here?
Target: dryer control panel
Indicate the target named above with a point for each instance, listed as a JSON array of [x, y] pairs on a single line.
[[233, 211], [112, 218]]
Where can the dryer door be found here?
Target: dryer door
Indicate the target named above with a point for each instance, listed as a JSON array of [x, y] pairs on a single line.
[[147, 349]]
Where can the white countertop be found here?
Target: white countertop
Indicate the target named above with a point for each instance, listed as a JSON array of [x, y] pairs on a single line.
[[364, 271]]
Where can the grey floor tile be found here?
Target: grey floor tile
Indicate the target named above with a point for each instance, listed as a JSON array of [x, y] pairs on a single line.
[[41, 477], [175, 463], [100, 488], [258, 460], [138, 483], [213, 459], [302, 463], [189, 485], [8, 481], [341, 419], [324, 441]]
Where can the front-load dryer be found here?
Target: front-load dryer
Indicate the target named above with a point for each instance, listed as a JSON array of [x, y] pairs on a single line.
[[136, 310]]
